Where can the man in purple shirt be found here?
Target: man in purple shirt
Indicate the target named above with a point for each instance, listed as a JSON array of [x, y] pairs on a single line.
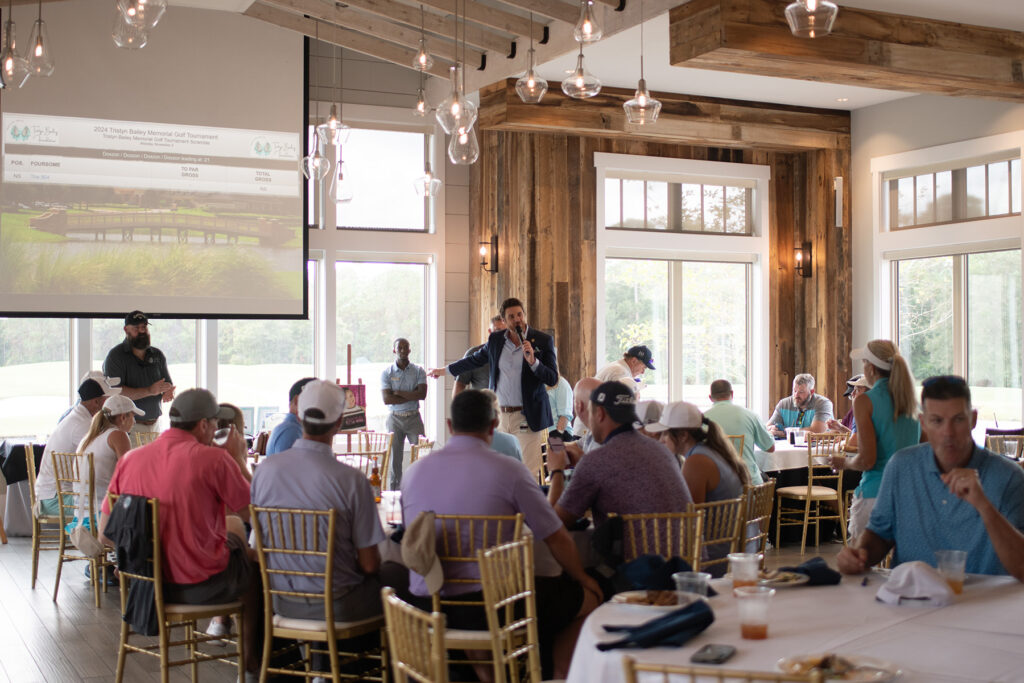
[[466, 477], [628, 474]]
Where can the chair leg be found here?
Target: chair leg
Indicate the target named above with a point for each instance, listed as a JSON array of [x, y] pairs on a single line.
[[241, 645], [35, 550], [60, 566], [803, 536], [94, 571], [165, 655], [190, 637], [122, 650], [3, 533], [778, 521], [842, 520]]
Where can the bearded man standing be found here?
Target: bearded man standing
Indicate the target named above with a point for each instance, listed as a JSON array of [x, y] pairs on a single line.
[[142, 369]]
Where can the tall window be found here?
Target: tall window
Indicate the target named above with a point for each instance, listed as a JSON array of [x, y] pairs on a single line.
[[258, 360], [34, 375], [715, 207], [377, 302], [636, 305], [961, 314]]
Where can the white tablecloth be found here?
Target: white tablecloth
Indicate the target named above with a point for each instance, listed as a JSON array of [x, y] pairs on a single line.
[[784, 457], [978, 638], [17, 509]]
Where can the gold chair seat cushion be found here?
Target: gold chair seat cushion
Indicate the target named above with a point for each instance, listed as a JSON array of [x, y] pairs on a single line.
[[801, 492], [182, 608], [321, 625], [463, 635]]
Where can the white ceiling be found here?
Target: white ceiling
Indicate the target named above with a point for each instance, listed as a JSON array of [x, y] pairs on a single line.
[[616, 60]]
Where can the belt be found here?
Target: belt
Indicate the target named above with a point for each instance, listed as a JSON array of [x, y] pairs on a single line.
[[511, 409], [405, 413], [147, 423]]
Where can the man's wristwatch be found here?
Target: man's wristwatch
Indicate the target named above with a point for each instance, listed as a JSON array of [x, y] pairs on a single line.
[[554, 472]]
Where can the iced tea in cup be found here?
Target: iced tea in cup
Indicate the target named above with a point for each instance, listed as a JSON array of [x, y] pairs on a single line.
[[753, 602], [951, 565], [744, 568]]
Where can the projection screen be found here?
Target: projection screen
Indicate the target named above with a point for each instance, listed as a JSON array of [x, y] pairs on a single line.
[[163, 179]]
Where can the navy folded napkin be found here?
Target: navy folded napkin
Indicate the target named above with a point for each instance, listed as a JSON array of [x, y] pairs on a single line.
[[816, 568], [672, 629]]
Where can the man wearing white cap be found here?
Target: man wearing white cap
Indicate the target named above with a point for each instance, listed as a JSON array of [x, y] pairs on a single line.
[[307, 475], [93, 391]]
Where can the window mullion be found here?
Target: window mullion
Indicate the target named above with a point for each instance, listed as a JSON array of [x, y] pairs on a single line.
[[960, 315], [675, 329]]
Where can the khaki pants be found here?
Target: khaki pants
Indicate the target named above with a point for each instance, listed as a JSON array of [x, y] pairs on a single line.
[[138, 427], [529, 441]]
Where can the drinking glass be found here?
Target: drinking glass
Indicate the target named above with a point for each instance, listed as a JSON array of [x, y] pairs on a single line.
[[951, 564], [753, 602], [692, 582], [744, 568]]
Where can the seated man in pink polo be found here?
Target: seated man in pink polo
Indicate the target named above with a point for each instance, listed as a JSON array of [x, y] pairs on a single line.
[[206, 559]]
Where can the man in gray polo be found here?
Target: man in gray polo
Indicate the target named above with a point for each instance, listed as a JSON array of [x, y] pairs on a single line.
[[307, 475], [404, 385], [142, 369]]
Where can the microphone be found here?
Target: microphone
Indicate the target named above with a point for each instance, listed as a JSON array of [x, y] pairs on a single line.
[[519, 331]]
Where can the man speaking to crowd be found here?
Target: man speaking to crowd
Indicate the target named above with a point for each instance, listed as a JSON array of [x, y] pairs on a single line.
[[142, 369]]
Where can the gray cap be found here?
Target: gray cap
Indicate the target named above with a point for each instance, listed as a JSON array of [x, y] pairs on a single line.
[[198, 404]]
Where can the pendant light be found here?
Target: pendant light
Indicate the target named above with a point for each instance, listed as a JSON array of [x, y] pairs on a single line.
[[421, 100], [456, 112], [128, 36], [333, 131], [464, 149], [422, 61], [40, 51], [643, 108], [315, 166], [580, 84], [427, 185], [587, 29], [811, 18], [531, 87], [13, 65], [142, 14]]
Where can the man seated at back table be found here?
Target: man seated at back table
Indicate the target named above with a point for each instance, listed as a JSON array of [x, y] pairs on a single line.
[[804, 409], [289, 430], [467, 477], [946, 494]]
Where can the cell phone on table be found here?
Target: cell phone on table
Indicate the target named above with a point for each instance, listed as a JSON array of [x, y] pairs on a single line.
[[713, 654]]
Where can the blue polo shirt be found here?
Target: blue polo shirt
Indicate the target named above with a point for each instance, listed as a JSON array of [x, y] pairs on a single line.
[[397, 379], [286, 433], [916, 510]]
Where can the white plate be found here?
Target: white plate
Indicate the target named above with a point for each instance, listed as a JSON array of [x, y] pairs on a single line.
[[785, 580], [637, 599], [869, 669]]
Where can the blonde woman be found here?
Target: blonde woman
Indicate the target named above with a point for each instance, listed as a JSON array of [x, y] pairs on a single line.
[[886, 418], [107, 440]]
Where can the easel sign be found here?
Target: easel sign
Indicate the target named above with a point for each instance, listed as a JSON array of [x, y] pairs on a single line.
[[354, 416]]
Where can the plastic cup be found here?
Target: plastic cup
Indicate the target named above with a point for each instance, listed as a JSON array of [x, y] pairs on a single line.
[[753, 602], [791, 433], [951, 565], [1010, 448], [692, 582], [744, 568]]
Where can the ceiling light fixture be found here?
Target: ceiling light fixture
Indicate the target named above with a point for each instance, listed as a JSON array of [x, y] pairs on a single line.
[[315, 166], [40, 58], [421, 100], [422, 61], [464, 149], [531, 87], [128, 36], [587, 29], [580, 84], [14, 66], [643, 108], [142, 14], [811, 18], [333, 131], [456, 113], [427, 185]]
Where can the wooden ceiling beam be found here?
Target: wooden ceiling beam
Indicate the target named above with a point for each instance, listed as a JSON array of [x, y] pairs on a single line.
[[684, 120], [376, 26], [552, 9], [866, 48], [336, 35], [492, 17]]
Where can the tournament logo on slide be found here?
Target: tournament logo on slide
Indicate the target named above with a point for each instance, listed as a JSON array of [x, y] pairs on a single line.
[[261, 147], [19, 131]]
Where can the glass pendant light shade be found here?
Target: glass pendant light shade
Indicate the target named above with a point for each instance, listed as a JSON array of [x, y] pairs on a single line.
[[531, 87], [315, 166], [342, 188], [580, 84], [463, 149], [642, 108], [421, 103], [456, 112], [333, 131], [427, 185], [422, 60], [143, 14], [587, 29], [811, 18], [128, 36], [40, 51], [13, 65]]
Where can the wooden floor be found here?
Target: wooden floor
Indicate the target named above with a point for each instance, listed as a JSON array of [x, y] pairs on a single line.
[[70, 640]]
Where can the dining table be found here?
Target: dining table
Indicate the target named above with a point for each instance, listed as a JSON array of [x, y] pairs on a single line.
[[980, 637]]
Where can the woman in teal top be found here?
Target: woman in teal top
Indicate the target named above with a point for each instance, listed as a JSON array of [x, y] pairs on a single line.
[[886, 417]]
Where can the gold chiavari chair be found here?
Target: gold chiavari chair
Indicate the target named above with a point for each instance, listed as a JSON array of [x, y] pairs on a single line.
[[824, 487], [759, 501], [416, 641], [669, 534], [1005, 444], [692, 674], [142, 438], [506, 574], [421, 449], [73, 473], [723, 528], [45, 528]]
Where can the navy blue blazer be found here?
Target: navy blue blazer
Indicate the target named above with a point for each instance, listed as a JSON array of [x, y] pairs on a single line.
[[534, 384]]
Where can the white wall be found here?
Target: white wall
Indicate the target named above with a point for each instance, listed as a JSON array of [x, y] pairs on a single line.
[[900, 126]]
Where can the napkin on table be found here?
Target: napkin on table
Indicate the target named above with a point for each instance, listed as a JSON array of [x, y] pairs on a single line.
[[672, 629], [819, 571], [915, 583]]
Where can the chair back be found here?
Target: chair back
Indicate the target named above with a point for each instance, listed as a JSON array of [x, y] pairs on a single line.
[[723, 528], [30, 468], [295, 548], [1005, 444], [142, 438], [155, 563], [421, 449], [631, 667], [460, 537], [757, 513], [669, 534], [416, 641], [737, 441], [819, 473], [73, 473], [372, 449], [506, 573]]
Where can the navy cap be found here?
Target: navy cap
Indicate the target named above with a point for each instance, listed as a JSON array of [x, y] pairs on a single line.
[[642, 354], [297, 387], [136, 318], [618, 401]]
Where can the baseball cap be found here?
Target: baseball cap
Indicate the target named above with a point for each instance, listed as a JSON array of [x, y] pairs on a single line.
[[678, 415], [197, 404], [136, 318], [297, 387], [94, 385], [327, 397], [856, 381], [118, 405], [618, 401], [864, 353], [419, 550], [642, 354], [648, 412]]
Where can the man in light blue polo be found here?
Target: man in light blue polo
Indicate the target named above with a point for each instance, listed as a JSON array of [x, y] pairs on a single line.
[[930, 500], [804, 409], [737, 420], [289, 430], [403, 385]]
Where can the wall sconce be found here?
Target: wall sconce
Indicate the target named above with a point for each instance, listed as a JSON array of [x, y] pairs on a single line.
[[803, 259], [489, 255]]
